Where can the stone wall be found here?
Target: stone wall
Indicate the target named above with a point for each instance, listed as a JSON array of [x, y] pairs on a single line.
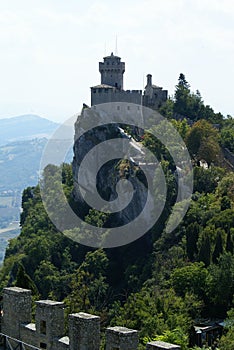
[[105, 95], [48, 330], [111, 88]]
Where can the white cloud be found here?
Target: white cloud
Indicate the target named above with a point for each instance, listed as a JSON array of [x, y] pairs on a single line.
[[65, 41]]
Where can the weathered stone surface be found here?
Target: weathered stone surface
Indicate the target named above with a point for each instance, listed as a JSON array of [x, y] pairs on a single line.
[[110, 173], [121, 338], [16, 310], [84, 331], [111, 87], [161, 345]]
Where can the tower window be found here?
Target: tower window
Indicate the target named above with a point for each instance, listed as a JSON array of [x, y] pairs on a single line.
[[43, 327]]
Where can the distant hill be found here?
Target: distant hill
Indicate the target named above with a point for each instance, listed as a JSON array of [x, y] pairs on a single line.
[[20, 162], [25, 127]]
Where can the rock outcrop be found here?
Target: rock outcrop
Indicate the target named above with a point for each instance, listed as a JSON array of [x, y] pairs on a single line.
[[133, 187]]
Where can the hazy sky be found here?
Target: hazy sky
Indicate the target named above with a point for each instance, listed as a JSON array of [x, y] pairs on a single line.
[[50, 50]]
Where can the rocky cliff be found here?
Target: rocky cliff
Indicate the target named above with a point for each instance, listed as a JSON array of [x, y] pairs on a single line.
[[109, 168]]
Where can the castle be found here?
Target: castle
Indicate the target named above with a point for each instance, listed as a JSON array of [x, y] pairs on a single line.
[[47, 332], [111, 87]]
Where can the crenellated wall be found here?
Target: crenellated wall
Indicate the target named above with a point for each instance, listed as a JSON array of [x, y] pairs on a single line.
[[48, 330], [111, 88], [106, 95]]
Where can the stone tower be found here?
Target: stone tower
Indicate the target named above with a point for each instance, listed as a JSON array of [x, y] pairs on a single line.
[[16, 310], [112, 70], [49, 322], [154, 96]]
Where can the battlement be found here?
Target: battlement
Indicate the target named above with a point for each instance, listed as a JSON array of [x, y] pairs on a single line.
[[111, 87], [48, 330]]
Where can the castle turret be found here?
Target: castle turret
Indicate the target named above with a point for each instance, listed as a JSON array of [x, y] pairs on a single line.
[[154, 96], [111, 87], [112, 70], [16, 310], [149, 80], [49, 322]]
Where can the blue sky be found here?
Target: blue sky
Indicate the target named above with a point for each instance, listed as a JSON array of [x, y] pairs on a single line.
[[50, 50]]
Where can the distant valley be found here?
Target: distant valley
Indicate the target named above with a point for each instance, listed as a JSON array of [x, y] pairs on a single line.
[[22, 141]]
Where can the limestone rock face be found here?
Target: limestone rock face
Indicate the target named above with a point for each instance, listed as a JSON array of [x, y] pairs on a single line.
[[133, 185]]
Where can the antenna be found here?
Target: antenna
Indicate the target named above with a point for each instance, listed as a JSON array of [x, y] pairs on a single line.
[[116, 46], [105, 48]]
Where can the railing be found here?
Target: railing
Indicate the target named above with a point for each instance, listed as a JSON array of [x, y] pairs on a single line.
[[9, 343]]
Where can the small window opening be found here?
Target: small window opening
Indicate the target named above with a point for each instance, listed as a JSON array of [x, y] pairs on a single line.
[[43, 327]]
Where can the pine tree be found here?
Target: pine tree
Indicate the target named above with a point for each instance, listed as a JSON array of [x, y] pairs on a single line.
[[205, 250], [182, 96], [191, 240], [229, 243], [218, 247]]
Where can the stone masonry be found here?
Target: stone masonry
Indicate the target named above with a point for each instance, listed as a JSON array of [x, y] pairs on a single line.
[[111, 87], [48, 330]]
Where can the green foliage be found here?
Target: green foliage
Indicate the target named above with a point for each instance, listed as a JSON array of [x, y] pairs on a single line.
[[24, 281], [220, 282], [206, 180], [88, 284], [190, 105], [176, 336], [153, 312], [182, 127], [227, 340], [202, 142], [227, 134], [190, 279], [161, 283]]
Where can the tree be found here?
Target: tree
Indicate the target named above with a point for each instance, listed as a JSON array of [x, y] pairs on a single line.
[[24, 281], [227, 135], [207, 180], [88, 285], [205, 250], [192, 234], [176, 336], [227, 340], [229, 243], [182, 96], [190, 279], [202, 142], [220, 281], [218, 250], [182, 127]]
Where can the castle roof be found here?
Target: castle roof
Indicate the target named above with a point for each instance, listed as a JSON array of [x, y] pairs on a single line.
[[156, 87], [103, 86], [111, 56]]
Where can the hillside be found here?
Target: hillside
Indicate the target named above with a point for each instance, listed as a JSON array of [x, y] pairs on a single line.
[[164, 283], [19, 164], [25, 127]]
